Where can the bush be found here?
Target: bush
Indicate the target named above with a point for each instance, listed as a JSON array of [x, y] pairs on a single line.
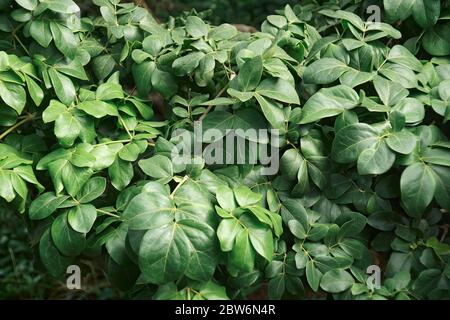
[[249, 12], [93, 109]]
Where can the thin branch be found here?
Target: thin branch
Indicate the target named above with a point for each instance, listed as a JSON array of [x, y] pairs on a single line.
[[211, 106], [17, 125]]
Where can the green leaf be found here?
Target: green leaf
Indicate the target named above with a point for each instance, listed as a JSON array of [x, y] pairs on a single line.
[[345, 15], [68, 241], [61, 6], [153, 44], [45, 205], [19, 186], [212, 291], [64, 88], [412, 109], [142, 74], [223, 32], [81, 157], [54, 261], [290, 164], [93, 189], [144, 109], [53, 111], [335, 281], [324, 71], [400, 74], [402, 141], [227, 232], [353, 247], [222, 101], [98, 109], [13, 95], [353, 78], [376, 160], [196, 27], [389, 92], [272, 112], [241, 96], [82, 217], [73, 178], [276, 287], [417, 185], [439, 156], [297, 229], [313, 275], [149, 210], [426, 12], [397, 121], [398, 261], [8, 117], [103, 66], [435, 41], [186, 64], [164, 83], [164, 253], [328, 102], [73, 68], [398, 9], [351, 140], [6, 187], [28, 4], [243, 255], [180, 247], [67, 128], [202, 249], [64, 39], [225, 198], [27, 174], [40, 31], [242, 119], [108, 91], [245, 196], [250, 74], [278, 89], [121, 173], [385, 28], [440, 248], [400, 55], [260, 237], [159, 167], [35, 91]]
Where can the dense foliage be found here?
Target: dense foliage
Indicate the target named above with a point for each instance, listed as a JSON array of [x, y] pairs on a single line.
[[89, 110], [248, 12]]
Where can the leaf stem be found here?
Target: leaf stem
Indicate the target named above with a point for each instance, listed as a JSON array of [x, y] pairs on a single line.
[[126, 128], [108, 213], [112, 142], [210, 106], [18, 124], [185, 178]]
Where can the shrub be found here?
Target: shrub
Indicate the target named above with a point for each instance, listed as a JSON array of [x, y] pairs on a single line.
[[93, 107]]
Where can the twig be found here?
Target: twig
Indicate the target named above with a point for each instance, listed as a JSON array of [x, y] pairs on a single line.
[[210, 106], [18, 124]]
